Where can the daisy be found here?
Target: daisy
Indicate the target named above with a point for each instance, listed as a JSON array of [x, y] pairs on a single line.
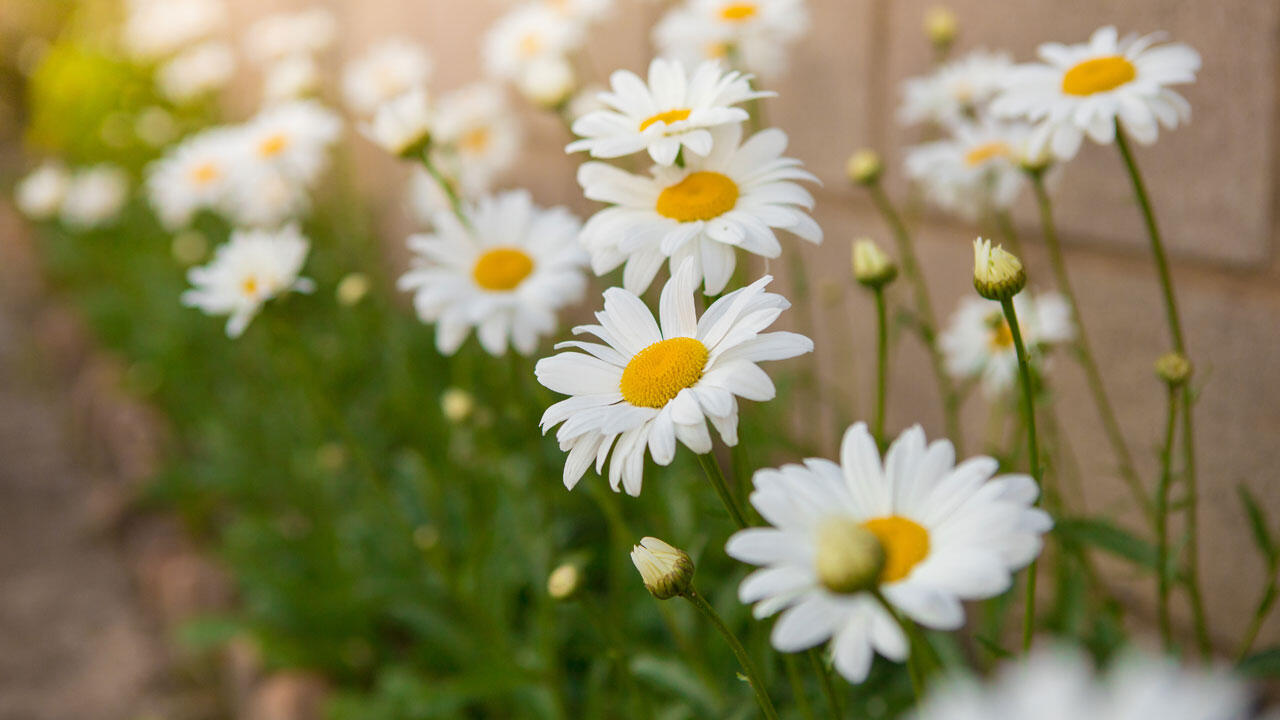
[[671, 112], [506, 273], [526, 35], [293, 138], [1087, 89], [94, 196], [262, 196], [756, 34], [194, 175], [582, 12], [977, 342], [281, 36], [40, 193], [251, 268], [948, 532], [197, 71], [402, 126], [733, 198], [156, 28], [1060, 684], [958, 91], [385, 71], [977, 169], [479, 134], [652, 383], [292, 78], [548, 82]]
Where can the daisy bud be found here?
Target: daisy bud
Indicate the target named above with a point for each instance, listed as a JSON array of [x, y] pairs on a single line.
[[871, 266], [667, 571], [997, 273], [564, 581], [849, 557], [548, 83], [352, 289], [1174, 368], [456, 404], [941, 25], [864, 167], [402, 126]]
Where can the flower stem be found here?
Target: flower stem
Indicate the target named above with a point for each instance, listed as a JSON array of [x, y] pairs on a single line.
[[1007, 230], [711, 467], [446, 184], [797, 686], [919, 651], [882, 364], [1188, 433], [828, 688], [1162, 521], [925, 321], [748, 666], [1083, 350], [1033, 449]]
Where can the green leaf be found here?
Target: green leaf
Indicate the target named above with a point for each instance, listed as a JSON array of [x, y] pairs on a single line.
[[1258, 523], [1110, 537], [993, 647], [1264, 663], [678, 679]]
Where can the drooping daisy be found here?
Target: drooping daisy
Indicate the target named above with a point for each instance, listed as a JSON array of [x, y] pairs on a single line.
[[757, 34], [94, 196], [40, 193], [401, 125], [197, 71], [292, 137], [977, 342], [948, 533], [194, 175], [976, 170], [1059, 683], [530, 33], [652, 383], [1086, 89], [733, 198], [475, 127], [506, 274], [156, 28], [958, 91], [278, 37], [251, 268], [292, 78], [385, 71], [673, 111]]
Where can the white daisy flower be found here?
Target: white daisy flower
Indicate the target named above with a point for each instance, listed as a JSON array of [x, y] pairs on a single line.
[[194, 175], [673, 111], [527, 34], [402, 124], [95, 196], [385, 71], [733, 198], [1086, 89], [976, 170], [977, 343], [292, 78], [156, 28], [757, 34], [40, 193], [949, 533], [262, 196], [506, 273], [476, 128], [251, 268], [652, 383], [197, 71], [958, 91], [1060, 684], [292, 137], [548, 82], [285, 35], [582, 12]]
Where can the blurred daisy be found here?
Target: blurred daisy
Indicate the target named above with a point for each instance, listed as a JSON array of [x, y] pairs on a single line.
[[976, 170], [197, 71], [292, 137], [526, 35], [156, 28], [251, 268], [384, 72], [506, 274], [1086, 89], [580, 11], [949, 533], [281, 36], [94, 196], [476, 126], [977, 343], [194, 175], [1060, 684], [262, 196], [733, 198], [403, 125], [548, 82], [652, 383], [40, 193], [290, 79], [755, 35], [958, 91], [673, 111]]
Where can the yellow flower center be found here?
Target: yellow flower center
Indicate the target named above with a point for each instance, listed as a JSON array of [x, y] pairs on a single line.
[[905, 543], [249, 286], [205, 173], [1098, 75], [986, 151], [273, 145], [659, 372], [737, 12], [700, 196], [1001, 336], [666, 118], [717, 50], [502, 269], [530, 45], [475, 140]]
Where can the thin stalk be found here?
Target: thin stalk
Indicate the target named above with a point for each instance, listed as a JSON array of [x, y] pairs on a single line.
[[1083, 350], [1265, 603], [711, 467], [797, 687], [925, 319], [748, 665], [1033, 449], [920, 650], [882, 363], [1162, 521], [455, 200], [828, 687], [1188, 432], [1008, 232]]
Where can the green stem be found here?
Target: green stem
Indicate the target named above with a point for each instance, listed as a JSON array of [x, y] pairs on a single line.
[[748, 665], [1033, 450], [882, 363], [797, 686], [828, 687], [446, 184], [1188, 432], [1083, 350], [925, 323], [1007, 230], [919, 652], [711, 466], [1265, 603], [1162, 521]]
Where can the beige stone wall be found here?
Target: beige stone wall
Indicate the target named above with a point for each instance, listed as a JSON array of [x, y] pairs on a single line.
[[1213, 184]]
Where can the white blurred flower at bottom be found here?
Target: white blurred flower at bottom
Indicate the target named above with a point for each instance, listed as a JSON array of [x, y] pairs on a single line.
[[95, 196], [251, 268]]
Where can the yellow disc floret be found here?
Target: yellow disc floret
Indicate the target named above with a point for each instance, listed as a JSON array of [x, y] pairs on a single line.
[[905, 544], [986, 151], [273, 145], [502, 269], [1098, 75], [666, 117], [659, 372], [700, 196], [737, 12]]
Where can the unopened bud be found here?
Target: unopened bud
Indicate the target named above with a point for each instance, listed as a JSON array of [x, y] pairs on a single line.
[[941, 25], [871, 266], [864, 167], [667, 571], [352, 289], [849, 557], [564, 581], [456, 404], [1174, 368], [548, 83], [997, 273]]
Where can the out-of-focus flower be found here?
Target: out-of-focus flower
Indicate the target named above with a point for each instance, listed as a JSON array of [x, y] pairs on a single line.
[[262, 196], [672, 111], [505, 274], [733, 198], [949, 533], [154, 29], [548, 82], [977, 341], [457, 404], [652, 383], [352, 288], [976, 170], [864, 167], [385, 71], [282, 36], [293, 138], [585, 101], [194, 175], [290, 79], [564, 581], [155, 126], [197, 71], [582, 12], [251, 268], [528, 34], [665, 569], [1086, 89], [475, 126], [94, 196], [941, 26], [871, 266], [40, 193], [754, 36], [402, 126], [958, 91]]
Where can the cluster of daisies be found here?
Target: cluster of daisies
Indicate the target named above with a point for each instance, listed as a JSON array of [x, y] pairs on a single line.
[[83, 199], [755, 36], [535, 44], [180, 39]]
